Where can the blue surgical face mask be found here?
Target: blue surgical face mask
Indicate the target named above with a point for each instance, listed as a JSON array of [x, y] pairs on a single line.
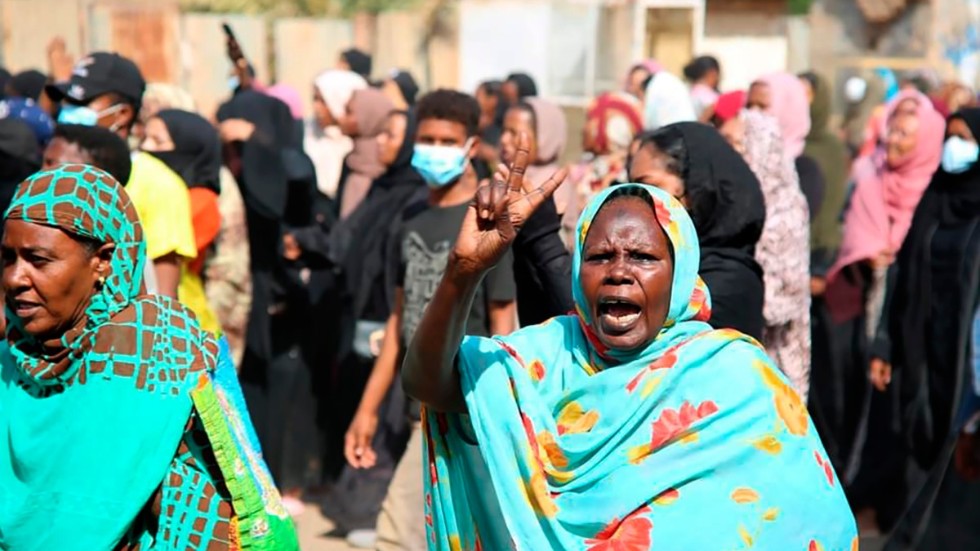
[[959, 155], [86, 116], [78, 114], [234, 83], [440, 165]]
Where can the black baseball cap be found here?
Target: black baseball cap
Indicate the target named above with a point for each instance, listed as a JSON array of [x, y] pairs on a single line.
[[97, 74]]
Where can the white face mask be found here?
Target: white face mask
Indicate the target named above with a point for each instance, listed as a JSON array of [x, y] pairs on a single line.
[[959, 155]]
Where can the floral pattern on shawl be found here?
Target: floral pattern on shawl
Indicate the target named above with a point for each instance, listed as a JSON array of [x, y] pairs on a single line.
[[726, 450], [783, 250]]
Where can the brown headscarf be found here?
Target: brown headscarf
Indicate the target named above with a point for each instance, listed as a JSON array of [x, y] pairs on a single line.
[[371, 108], [551, 131]]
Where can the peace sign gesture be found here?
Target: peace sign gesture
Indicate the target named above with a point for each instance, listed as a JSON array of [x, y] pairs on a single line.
[[499, 211]]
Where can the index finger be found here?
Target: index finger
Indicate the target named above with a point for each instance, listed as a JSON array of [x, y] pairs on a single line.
[[519, 166]]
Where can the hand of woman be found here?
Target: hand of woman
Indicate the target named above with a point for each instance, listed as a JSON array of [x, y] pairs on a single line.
[[60, 62], [880, 374], [818, 286], [236, 130], [884, 259], [290, 248], [357, 442], [499, 210], [967, 457]]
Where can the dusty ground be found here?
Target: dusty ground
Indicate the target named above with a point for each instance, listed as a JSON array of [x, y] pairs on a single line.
[[314, 532]]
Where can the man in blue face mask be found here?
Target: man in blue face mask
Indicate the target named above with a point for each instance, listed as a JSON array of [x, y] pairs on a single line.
[[106, 90], [445, 143]]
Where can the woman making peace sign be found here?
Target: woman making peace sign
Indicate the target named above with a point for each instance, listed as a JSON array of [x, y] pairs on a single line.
[[628, 423]]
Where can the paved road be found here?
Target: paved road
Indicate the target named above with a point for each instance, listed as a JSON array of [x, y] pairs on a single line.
[[314, 530]]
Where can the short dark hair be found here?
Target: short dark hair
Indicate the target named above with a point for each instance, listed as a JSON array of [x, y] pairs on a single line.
[[699, 67], [450, 105], [108, 151], [491, 87], [670, 142]]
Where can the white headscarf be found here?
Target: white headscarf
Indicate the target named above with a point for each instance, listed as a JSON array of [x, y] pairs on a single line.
[[328, 147], [667, 102], [337, 88]]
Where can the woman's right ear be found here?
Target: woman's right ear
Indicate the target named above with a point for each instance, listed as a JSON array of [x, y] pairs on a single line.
[[104, 255]]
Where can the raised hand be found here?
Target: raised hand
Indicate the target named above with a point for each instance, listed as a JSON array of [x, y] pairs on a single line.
[[498, 212], [60, 62]]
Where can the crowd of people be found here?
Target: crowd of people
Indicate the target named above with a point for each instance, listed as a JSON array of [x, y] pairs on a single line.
[[446, 337]]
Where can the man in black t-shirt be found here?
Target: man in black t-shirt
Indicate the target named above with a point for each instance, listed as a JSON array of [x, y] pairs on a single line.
[[445, 144]]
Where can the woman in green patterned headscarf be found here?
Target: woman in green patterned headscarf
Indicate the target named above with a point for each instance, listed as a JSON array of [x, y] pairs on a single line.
[[118, 429]]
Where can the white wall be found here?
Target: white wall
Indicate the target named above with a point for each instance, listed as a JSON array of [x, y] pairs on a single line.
[[745, 58], [502, 37]]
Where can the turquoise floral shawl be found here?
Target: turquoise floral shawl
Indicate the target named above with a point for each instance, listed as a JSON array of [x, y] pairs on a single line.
[[695, 443]]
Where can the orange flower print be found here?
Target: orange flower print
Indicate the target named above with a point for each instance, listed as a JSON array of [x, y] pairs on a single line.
[[668, 223], [536, 370], [556, 457], [507, 348], [633, 533], [666, 497], [699, 303], [815, 546], [828, 470], [769, 444], [574, 420], [537, 495], [745, 495], [673, 424], [789, 406], [667, 361], [856, 544]]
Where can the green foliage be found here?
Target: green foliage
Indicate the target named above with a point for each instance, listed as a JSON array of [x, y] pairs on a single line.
[[799, 7]]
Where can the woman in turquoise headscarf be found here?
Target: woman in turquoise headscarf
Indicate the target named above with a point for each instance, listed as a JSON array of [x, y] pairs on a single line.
[[631, 425], [121, 424]]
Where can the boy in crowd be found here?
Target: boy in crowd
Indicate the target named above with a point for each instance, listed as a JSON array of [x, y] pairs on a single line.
[[445, 144], [106, 90]]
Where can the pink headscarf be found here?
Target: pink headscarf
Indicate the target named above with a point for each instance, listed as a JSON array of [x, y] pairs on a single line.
[[789, 104], [883, 202], [288, 95]]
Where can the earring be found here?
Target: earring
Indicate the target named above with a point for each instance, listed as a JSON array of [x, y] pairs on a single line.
[[101, 281]]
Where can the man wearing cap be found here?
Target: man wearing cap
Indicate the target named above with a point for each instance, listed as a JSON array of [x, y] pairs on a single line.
[[106, 90]]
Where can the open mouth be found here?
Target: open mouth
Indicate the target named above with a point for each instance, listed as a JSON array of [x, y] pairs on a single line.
[[618, 314], [24, 308]]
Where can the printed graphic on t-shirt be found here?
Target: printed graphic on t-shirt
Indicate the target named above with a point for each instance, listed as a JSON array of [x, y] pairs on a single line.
[[423, 271]]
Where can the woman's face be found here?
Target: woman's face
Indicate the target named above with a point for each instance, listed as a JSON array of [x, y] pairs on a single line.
[[903, 136], [650, 166], [390, 140], [157, 136], [516, 121], [908, 106], [626, 274], [348, 123], [760, 97], [48, 277], [323, 116], [733, 130], [959, 128], [637, 77]]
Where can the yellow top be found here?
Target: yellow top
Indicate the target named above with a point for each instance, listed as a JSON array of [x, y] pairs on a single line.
[[163, 204]]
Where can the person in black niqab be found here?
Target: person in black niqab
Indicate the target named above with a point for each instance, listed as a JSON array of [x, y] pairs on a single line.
[[695, 163], [926, 342], [278, 188]]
